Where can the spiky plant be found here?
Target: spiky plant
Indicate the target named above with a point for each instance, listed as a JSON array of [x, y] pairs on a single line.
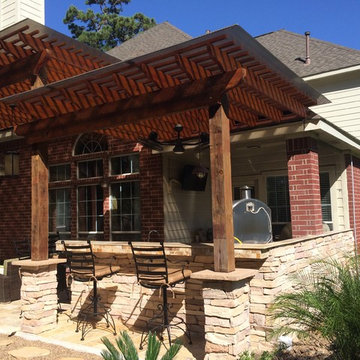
[[127, 350], [326, 303]]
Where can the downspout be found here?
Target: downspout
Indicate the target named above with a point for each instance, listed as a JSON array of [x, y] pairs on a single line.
[[353, 208]]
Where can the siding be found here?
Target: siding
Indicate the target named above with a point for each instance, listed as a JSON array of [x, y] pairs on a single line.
[[8, 15], [13, 11], [344, 93], [185, 212], [32, 9]]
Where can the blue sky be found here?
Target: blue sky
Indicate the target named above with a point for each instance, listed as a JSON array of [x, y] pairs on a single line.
[[331, 20]]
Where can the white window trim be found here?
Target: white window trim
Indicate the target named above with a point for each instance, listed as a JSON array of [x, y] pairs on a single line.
[[77, 211], [89, 160], [123, 155], [110, 208]]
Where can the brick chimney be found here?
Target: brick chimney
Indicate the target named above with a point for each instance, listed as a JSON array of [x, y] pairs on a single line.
[[13, 11]]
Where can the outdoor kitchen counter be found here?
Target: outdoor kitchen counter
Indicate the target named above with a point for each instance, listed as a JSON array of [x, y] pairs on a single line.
[[242, 251]]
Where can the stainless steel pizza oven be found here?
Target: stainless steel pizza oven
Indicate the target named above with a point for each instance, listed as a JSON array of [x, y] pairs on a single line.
[[252, 219]]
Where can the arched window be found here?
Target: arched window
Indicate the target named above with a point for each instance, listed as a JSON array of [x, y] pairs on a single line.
[[90, 143]]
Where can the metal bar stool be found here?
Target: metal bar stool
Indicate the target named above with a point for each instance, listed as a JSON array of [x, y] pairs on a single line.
[[153, 272], [81, 262]]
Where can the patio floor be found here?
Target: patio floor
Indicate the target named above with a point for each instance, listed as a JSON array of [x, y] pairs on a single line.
[[64, 334]]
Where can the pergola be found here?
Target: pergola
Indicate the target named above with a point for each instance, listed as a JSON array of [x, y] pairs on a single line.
[[52, 86]]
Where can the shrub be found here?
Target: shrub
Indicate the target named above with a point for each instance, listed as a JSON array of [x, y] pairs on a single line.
[[327, 303], [127, 350], [246, 355]]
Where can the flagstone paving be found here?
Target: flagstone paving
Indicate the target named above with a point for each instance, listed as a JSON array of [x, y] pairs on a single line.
[[64, 335]]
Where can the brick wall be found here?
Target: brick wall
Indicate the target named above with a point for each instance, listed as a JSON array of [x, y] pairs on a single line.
[[304, 187], [15, 191], [15, 195], [353, 184]]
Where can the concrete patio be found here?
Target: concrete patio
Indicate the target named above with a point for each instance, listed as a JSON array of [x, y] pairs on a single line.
[[64, 333]]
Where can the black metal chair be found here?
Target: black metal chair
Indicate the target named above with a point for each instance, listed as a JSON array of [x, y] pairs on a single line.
[[81, 262], [153, 273]]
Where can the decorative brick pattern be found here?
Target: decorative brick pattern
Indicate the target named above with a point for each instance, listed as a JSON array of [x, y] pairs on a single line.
[[353, 184], [304, 187], [39, 299]]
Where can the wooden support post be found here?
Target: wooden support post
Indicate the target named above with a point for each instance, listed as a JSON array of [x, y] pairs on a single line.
[[221, 192], [39, 205]]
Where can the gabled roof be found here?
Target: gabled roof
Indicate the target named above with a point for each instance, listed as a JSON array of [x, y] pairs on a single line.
[[289, 48], [156, 38]]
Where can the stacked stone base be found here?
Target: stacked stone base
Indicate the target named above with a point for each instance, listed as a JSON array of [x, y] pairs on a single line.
[[227, 326], [39, 298]]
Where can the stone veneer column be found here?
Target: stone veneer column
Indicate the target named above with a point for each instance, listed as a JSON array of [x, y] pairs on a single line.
[[304, 187], [38, 294], [226, 310]]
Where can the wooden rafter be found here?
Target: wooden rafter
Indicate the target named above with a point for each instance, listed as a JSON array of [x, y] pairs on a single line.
[[133, 92], [165, 102], [23, 69]]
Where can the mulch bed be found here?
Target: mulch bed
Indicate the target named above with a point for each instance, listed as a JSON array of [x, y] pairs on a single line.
[[305, 351]]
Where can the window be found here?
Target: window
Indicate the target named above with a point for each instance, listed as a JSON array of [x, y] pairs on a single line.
[[90, 169], [9, 164], [128, 164], [125, 208], [90, 143], [278, 201], [59, 210], [59, 172], [90, 209], [278, 198], [325, 199]]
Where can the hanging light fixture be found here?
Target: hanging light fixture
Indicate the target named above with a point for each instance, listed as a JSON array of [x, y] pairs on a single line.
[[200, 170], [154, 143]]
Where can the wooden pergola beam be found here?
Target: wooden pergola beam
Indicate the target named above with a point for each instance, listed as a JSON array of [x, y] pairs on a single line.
[[39, 204], [189, 96], [22, 69], [221, 192], [250, 102]]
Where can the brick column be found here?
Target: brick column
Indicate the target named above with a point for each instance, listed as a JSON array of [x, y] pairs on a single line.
[[304, 187], [353, 184], [38, 294], [151, 193]]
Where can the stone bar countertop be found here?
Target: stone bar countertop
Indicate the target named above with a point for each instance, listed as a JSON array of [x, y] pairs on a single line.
[[242, 251]]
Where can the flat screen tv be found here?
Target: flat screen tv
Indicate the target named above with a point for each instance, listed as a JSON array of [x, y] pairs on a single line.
[[190, 181]]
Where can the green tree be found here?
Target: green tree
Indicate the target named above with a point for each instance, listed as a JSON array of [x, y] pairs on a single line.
[[106, 28]]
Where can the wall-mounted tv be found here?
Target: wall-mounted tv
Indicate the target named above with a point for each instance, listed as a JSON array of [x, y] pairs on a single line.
[[190, 181]]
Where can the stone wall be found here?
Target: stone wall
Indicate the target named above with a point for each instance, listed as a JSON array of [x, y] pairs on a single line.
[[276, 275], [275, 263]]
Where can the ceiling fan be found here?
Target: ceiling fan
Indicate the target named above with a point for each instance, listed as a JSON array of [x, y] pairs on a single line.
[[153, 142]]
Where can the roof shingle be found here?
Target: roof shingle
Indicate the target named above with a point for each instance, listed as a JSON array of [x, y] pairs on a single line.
[[289, 48], [156, 38]]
